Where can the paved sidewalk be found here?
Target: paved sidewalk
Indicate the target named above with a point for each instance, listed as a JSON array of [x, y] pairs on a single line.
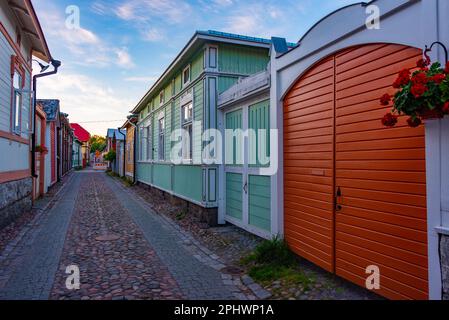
[[196, 279], [27, 270]]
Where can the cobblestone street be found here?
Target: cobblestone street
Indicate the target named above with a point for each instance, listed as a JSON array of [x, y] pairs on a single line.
[[123, 249]]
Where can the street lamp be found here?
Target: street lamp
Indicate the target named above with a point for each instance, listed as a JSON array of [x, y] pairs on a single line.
[[43, 68]]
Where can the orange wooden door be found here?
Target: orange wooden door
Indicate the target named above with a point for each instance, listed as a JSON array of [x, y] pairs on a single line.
[[380, 172], [309, 165]]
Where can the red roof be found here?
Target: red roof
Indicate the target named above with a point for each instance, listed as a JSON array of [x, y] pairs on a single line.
[[80, 133]]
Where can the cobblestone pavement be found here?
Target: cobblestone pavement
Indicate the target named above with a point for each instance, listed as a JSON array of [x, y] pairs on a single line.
[[124, 250], [28, 266]]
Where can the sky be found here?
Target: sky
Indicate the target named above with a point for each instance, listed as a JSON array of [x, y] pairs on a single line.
[[121, 47]]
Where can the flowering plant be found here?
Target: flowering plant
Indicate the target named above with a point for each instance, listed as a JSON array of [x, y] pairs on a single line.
[[42, 149], [421, 95]]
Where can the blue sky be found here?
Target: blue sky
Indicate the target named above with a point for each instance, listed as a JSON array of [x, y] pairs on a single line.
[[122, 46]]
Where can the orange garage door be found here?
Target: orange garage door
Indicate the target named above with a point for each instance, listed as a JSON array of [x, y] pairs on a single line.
[[335, 145]]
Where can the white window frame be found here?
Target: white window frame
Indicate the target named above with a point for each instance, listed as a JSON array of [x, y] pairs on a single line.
[[161, 137], [16, 124], [184, 82], [162, 97], [149, 142], [187, 125]]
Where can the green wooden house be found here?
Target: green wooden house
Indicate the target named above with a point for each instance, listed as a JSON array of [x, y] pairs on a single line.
[[187, 96]]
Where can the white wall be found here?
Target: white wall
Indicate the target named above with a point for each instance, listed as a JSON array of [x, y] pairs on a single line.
[[14, 156]]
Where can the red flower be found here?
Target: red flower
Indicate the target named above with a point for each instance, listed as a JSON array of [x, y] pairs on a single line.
[[414, 122], [421, 63], [446, 108], [403, 79], [418, 90], [389, 120], [420, 78], [385, 99], [438, 78], [447, 68]]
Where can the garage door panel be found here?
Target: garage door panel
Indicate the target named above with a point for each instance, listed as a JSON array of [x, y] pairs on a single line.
[[306, 221], [388, 267], [379, 57], [387, 197], [311, 101], [373, 95], [391, 133], [415, 142], [309, 252], [399, 165], [385, 154], [381, 237], [309, 148], [310, 118], [312, 234], [387, 207], [366, 88], [350, 54], [386, 217], [417, 263], [387, 228], [309, 178], [353, 78], [322, 89], [388, 186], [401, 290], [404, 176], [294, 112], [308, 156]]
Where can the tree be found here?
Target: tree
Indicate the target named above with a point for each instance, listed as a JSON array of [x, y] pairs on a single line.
[[97, 143], [110, 156]]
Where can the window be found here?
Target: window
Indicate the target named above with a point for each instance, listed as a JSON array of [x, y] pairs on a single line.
[[212, 57], [149, 143], [161, 151], [17, 102], [128, 151], [186, 76], [161, 98], [141, 142], [187, 117]]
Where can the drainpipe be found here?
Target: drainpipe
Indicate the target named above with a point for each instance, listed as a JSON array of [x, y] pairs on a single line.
[[56, 64], [124, 151], [134, 153]]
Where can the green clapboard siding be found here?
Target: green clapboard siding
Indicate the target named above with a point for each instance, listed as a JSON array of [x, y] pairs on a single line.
[[233, 122], [234, 195], [259, 202], [144, 172], [198, 98], [162, 176], [178, 85], [242, 60], [197, 66], [167, 132], [224, 83], [188, 181], [259, 118]]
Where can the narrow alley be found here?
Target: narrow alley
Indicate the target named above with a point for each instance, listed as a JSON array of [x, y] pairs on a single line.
[[122, 248]]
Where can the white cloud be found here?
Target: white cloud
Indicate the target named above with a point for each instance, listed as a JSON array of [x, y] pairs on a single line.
[[81, 95], [86, 47], [124, 59], [141, 79], [153, 35]]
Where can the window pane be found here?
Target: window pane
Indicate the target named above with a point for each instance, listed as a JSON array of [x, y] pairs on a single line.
[[187, 113], [17, 107], [17, 81]]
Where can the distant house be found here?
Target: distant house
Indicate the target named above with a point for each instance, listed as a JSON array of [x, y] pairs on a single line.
[[52, 110], [83, 136], [65, 145], [115, 142], [119, 164], [77, 157], [40, 143], [130, 142], [21, 39]]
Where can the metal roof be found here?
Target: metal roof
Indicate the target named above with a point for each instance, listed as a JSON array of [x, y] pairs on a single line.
[[234, 36], [50, 107]]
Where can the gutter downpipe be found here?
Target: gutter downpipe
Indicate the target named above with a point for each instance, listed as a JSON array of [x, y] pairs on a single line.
[[134, 153], [124, 151], [56, 64]]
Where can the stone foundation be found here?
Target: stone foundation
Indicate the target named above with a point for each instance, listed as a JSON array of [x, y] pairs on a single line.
[[15, 199], [444, 253], [204, 215]]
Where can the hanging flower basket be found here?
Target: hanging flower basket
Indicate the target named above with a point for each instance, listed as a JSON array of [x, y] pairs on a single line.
[[421, 95], [41, 149]]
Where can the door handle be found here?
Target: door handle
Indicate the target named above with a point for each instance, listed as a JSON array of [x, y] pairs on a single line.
[[245, 187], [338, 207]]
